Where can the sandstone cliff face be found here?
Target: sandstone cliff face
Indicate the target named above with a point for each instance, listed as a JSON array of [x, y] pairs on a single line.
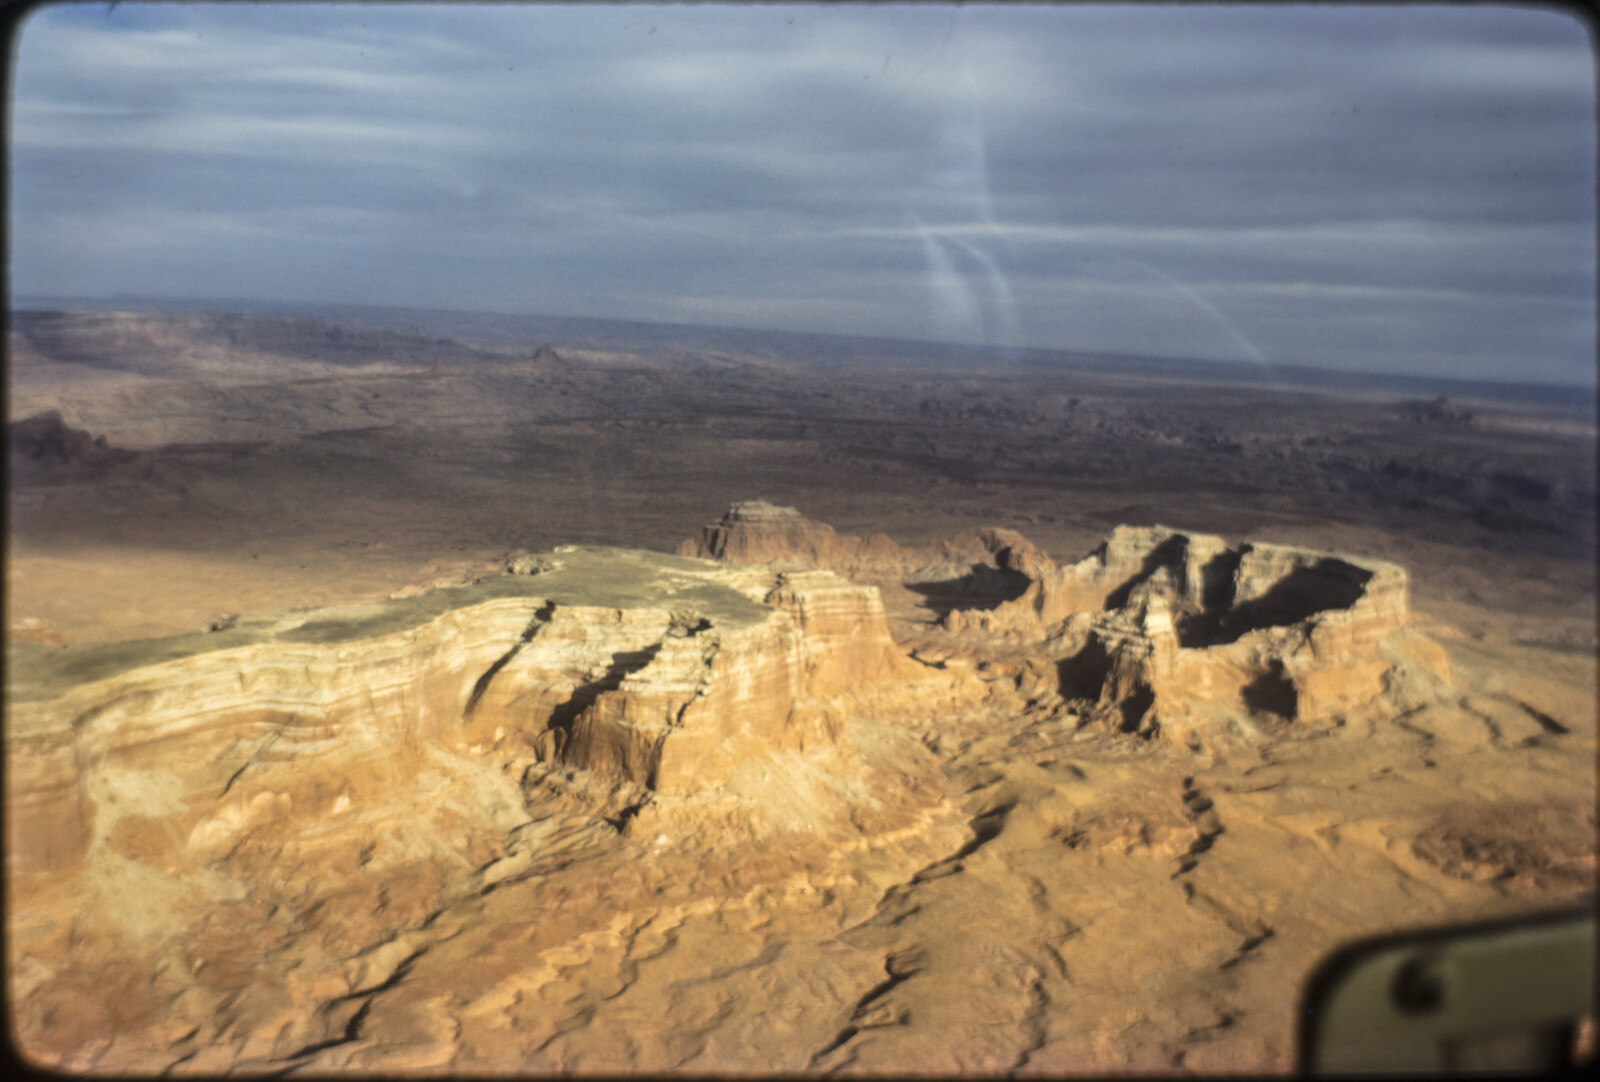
[[222, 845], [668, 688], [619, 810], [1155, 622], [1171, 624], [757, 532], [987, 560], [202, 721]]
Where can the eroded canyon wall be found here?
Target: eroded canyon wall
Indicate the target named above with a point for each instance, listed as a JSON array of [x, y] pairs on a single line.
[[1156, 622], [686, 670]]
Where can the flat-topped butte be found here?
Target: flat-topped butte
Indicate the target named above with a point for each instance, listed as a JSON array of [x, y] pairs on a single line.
[[591, 576]]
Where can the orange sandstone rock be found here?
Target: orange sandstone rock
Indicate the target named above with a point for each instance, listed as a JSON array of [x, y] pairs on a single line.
[[1155, 622], [668, 687]]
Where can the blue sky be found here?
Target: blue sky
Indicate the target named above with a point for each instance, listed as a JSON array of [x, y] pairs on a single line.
[[1405, 189]]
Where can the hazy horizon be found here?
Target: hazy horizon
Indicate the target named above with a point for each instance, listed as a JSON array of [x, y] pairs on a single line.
[[1406, 191], [1286, 375]]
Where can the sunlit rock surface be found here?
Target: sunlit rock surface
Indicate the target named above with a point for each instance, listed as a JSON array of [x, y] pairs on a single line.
[[1192, 625], [757, 532], [617, 810], [684, 672], [1156, 623]]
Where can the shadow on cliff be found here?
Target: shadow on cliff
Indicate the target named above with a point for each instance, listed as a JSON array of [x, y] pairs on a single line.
[[1084, 674], [1327, 585], [584, 695], [1272, 692], [1169, 553], [982, 588]]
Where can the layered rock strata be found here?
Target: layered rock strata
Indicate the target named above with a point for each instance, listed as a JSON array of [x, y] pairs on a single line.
[[976, 563], [486, 828], [1157, 622], [649, 671], [757, 532], [1169, 622]]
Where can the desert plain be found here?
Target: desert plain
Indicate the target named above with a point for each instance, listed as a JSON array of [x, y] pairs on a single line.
[[428, 692]]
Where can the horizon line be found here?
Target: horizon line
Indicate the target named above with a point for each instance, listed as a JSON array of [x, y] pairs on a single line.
[[147, 301]]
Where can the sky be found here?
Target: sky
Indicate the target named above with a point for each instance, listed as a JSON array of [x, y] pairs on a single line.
[[1402, 189]]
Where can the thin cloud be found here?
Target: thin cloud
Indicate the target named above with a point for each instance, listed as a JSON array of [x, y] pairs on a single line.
[[1371, 188]]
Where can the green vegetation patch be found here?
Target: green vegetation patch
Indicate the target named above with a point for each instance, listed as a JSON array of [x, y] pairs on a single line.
[[591, 577]]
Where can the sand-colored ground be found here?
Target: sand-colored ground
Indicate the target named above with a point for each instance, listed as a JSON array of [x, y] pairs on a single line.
[[1030, 897]]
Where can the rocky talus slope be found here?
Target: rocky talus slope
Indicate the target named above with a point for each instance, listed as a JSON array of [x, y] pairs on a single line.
[[617, 810]]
